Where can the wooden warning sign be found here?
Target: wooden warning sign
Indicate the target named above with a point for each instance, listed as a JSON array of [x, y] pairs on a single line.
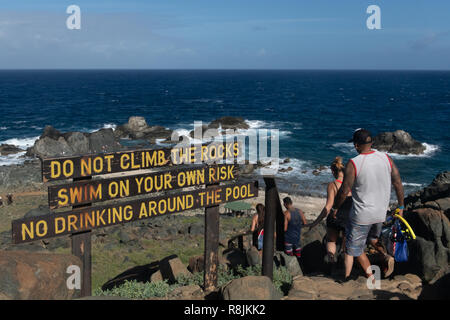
[[105, 163], [200, 168], [92, 191], [88, 218]]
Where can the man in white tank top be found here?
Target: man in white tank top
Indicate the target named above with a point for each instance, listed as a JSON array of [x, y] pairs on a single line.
[[369, 176]]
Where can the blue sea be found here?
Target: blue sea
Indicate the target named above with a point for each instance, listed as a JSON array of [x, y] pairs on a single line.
[[315, 111]]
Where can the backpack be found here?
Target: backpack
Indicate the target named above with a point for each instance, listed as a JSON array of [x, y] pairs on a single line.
[[397, 245]]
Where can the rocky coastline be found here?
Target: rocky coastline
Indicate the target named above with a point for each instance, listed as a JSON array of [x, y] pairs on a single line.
[[139, 251]]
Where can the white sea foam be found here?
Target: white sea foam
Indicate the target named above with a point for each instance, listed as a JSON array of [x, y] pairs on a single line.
[[255, 124], [430, 150], [3, 128], [17, 158], [110, 126], [11, 159], [22, 143], [410, 184], [105, 126]]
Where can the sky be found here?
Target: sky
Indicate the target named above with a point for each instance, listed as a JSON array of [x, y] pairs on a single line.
[[228, 34]]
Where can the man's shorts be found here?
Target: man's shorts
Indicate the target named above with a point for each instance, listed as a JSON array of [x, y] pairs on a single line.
[[292, 249], [357, 236]]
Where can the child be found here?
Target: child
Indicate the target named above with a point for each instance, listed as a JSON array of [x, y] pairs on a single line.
[[294, 219]]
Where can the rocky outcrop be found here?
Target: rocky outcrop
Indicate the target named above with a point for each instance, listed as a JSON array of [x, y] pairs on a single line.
[[53, 143], [229, 123], [435, 196], [427, 212], [7, 149], [313, 250], [27, 275], [430, 252], [399, 142], [137, 128], [250, 288], [404, 287]]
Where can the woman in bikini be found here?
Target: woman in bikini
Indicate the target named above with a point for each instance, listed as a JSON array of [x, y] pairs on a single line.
[[335, 226]]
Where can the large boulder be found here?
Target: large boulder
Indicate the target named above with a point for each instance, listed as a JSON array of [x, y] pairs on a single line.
[[79, 142], [53, 143], [291, 263], [171, 268], [137, 128], [30, 275], [399, 142], [47, 147], [405, 287], [103, 140], [430, 252], [229, 123], [313, 250], [196, 264], [427, 212], [250, 288], [234, 258]]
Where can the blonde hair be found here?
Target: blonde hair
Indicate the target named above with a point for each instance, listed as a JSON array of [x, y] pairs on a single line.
[[337, 165]]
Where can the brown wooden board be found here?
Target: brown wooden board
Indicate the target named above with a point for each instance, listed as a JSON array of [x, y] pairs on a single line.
[[104, 163], [78, 220], [93, 191]]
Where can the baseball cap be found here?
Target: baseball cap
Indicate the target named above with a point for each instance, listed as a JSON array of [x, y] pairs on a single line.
[[361, 136]]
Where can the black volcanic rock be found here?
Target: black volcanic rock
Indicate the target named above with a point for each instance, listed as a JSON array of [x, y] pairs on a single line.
[[229, 123], [399, 142], [427, 211], [50, 132], [137, 129], [7, 149]]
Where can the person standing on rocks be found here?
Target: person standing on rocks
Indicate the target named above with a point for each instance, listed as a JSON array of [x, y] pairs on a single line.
[[335, 225], [9, 199], [369, 177], [294, 219], [258, 226]]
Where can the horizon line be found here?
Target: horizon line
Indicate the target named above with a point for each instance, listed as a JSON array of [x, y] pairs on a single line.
[[211, 69]]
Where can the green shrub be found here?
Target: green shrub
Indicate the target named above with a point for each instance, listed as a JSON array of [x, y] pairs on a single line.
[[282, 281], [137, 290]]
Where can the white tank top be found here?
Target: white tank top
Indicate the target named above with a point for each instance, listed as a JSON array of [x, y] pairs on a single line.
[[371, 191]]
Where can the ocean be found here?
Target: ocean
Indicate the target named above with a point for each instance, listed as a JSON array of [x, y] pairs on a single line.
[[315, 111]]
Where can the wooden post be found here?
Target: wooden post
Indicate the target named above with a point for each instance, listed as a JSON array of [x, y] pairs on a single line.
[[279, 224], [81, 247], [211, 259], [271, 198]]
